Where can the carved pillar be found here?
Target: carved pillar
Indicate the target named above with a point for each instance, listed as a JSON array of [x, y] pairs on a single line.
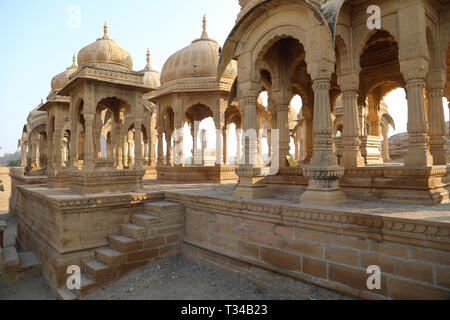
[[50, 146], [309, 140], [160, 147], [138, 152], [97, 136], [23, 153], [437, 127], [283, 127], [323, 126], [178, 144], [58, 148], [130, 141], [352, 153], [224, 139], [169, 157], [269, 142], [33, 150], [238, 145], [74, 136], [323, 173], [418, 153], [43, 151], [251, 174], [89, 142], [385, 146]]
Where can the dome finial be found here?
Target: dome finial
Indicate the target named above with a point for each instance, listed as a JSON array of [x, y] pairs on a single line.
[[105, 32], [148, 67], [205, 24], [74, 61], [148, 56]]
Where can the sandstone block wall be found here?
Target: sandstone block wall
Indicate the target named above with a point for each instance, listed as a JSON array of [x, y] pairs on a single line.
[[414, 259]]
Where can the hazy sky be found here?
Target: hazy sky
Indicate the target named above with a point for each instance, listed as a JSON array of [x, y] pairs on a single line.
[[39, 38]]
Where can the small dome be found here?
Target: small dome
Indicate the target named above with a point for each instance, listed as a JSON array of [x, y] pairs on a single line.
[[105, 51], [151, 77], [199, 59], [61, 80]]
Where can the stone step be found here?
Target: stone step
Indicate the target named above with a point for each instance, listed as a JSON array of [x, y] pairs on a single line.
[[30, 265], [134, 231], [124, 244], [162, 208], [110, 256], [10, 259], [66, 295], [87, 285], [146, 220], [99, 271]]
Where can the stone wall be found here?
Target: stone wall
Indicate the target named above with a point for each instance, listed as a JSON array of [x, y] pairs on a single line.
[[330, 249]]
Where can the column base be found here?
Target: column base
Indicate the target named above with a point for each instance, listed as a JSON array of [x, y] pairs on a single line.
[[251, 183], [323, 186], [352, 159], [324, 197]]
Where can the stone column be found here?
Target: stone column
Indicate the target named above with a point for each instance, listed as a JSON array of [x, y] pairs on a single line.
[[385, 146], [89, 142], [224, 138], [130, 149], [251, 175], [283, 127], [362, 115], [324, 172], [23, 157], [418, 153], [352, 153], [97, 136], [238, 145], [437, 128], [169, 158], [74, 136], [178, 146], [57, 149], [138, 152], [309, 140], [160, 148], [50, 146], [33, 150]]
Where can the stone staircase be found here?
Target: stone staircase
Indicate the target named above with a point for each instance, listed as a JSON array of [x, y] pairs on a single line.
[[16, 265], [155, 234]]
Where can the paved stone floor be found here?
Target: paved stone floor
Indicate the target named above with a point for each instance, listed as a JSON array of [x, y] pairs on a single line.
[[439, 213]]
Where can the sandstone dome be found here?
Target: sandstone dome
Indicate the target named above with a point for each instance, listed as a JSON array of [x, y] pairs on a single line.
[[62, 79], [151, 77], [199, 59], [106, 53]]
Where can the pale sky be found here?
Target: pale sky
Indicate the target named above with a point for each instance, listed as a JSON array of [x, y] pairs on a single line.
[[39, 38]]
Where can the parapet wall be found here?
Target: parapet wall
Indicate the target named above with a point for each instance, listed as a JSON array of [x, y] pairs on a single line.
[[329, 248]]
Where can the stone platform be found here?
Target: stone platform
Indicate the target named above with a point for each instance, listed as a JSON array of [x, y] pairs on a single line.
[[388, 182], [324, 245], [198, 173]]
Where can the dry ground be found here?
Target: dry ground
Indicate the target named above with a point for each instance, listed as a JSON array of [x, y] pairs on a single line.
[[176, 278]]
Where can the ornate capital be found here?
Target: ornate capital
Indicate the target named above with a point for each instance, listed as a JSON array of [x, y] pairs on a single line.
[[321, 84]]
